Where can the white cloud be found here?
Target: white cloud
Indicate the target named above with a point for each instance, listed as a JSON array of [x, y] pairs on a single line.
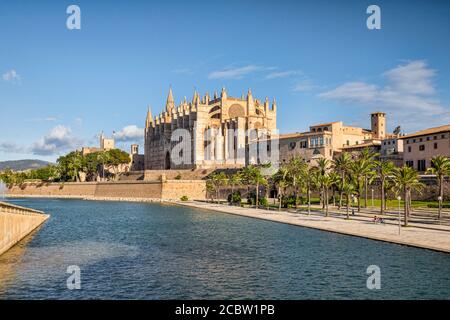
[[303, 86], [11, 76], [58, 140], [234, 73], [10, 147], [408, 95], [46, 119], [130, 133], [283, 74]]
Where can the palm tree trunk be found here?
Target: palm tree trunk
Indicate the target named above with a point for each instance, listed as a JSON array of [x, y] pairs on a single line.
[[309, 199], [441, 194], [382, 196], [348, 202], [326, 202], [365, 192], [342, 186], [406, 208], [257, 196], [279, 199]]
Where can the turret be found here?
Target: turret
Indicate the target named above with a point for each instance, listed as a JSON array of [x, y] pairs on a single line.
[[250, 103], [170, 103], [149, 120], [274, 105], [266, 105], [223, 94]]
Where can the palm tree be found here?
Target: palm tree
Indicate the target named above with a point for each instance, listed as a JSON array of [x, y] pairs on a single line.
[[280, 180], [440, 166], [309, 176], [252, 175], [360, 168], [217, 180], [342, 166], [234, 180], [349, 190], [326, 182], [384, 170], [295, 169], [406, 179], [322, 165], [336, 184], [369, 158]]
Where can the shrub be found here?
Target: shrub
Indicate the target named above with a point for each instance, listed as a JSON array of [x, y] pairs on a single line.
[[436, 206], [178, 177], [251, 199], [235, 198], [184, 198]]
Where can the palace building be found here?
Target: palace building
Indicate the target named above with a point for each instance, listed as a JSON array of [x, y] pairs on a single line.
[[326, 140], [215, 131]]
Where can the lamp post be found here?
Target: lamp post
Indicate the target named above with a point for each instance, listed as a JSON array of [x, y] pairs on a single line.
[[439, 208], [372, 197], [399, 222]]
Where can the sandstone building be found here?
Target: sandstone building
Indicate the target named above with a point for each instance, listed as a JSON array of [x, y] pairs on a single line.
[[326, 140], [421, 146], [216, 128], [105, 145]]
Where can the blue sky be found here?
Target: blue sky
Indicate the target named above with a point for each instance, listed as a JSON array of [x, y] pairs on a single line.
[[59, 88]]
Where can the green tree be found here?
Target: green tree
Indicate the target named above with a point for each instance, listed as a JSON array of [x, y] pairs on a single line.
[[384, 171], [440, 166], [342, 166], [280, 181], [294, 170], [406, 180], [116, 158], [369, 158], [216, 181], [349, 190]]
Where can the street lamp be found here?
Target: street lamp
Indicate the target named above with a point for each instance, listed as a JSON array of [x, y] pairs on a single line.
[[440, 208], [399, 222]]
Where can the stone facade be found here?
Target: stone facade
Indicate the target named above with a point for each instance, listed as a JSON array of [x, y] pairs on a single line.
[[16, 222], [421, 146], [216, 130], [145, 190], [328, 139]]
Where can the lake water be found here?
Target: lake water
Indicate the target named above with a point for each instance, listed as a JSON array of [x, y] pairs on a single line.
[[152, 251]]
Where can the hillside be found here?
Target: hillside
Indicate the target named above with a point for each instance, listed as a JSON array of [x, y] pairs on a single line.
[[21, 165]]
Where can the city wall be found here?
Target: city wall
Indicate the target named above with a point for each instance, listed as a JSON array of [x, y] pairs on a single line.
[[129, 190], [17, 222]]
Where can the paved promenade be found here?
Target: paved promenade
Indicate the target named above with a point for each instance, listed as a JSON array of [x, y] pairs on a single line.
[[435, 239]]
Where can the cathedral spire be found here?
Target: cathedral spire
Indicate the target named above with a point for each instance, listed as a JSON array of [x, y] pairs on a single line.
[[274, 105], [224, 93], [149, 120], [196, 98], [170, 103]]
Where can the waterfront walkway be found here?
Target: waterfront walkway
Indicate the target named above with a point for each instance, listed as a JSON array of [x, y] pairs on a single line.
[[422, 236]]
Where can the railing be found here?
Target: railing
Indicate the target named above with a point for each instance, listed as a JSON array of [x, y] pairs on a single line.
[[12, 208]]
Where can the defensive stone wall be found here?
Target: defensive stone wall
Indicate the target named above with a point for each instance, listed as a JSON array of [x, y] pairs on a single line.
[[151, 190]]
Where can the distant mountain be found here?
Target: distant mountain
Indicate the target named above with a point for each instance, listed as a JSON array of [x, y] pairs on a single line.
[[21, 165]]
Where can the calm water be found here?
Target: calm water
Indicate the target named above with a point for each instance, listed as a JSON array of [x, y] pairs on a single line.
[[150, 251]]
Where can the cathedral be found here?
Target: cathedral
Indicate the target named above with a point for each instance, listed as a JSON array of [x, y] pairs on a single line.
[[216, 131]]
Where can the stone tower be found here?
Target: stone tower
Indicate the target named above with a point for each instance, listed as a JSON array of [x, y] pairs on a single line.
[[378, 125]]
